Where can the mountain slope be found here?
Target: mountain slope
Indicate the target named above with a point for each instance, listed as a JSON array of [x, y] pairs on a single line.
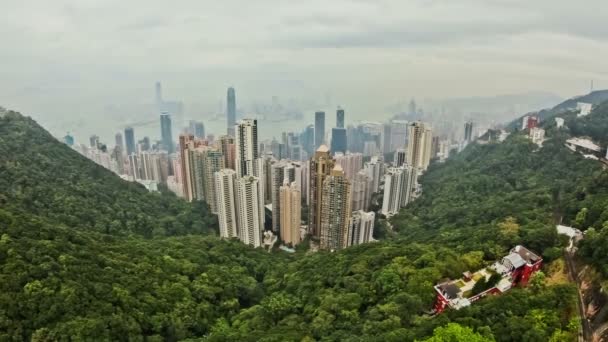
[[43, 177], [595, 98], [63, 278]]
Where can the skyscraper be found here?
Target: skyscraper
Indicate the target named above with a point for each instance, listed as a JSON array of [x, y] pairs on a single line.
[[362, 189], [320, 167], [118, 141], [374, 169], [338, 140], [351, 163], [130, 140], [340, 118], [291, 204], [399, 157], [197, 128], [247, 154], [409, 186], [393, 189], [468, 131], [231, 110], [335, 210], [94, 141], [250, 210], [419, 145], [280, 172], [228, 150], [166, 133], [361, 227], [213, 162], [225, 189], [319, 129]]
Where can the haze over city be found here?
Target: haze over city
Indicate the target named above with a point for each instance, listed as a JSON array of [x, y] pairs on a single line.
[[76, 64]]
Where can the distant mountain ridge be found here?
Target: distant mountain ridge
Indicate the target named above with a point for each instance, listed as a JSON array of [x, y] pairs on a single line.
[[595, 97]]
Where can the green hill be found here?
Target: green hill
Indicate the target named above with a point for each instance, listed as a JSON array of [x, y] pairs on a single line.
[[63, 277], [595, 97], [45, 178]]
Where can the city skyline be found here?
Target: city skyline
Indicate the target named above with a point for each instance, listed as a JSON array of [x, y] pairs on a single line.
[[53, 71]]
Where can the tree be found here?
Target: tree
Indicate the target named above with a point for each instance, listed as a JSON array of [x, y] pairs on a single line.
[[454, 332]]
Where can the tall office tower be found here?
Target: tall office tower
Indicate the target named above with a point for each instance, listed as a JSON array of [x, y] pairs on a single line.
[[319, 129], [267, 162], [225, 189], [143, 145], [307, 139], [280, 172], [231, 110], [419, 145], [228, 150], [335, 210], [338, 140], [362, 191], [410, 185], [373, 168], [159, 96], [393, 189], [291, 204], [434, 147], [130, 140], [412, 108], [213, 161], [197, 128], [351, 163], [250, 210], [398, 134], [370, 148], [340, 118], [247, 155], [386, 138], [166, 133], [361, 227], [305, 180], [320, 167], [468, 131], [186, 141], [119, 142], [399, 157], [94, 141]]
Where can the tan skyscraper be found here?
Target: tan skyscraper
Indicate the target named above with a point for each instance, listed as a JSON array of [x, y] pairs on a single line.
[[291, 209], [228, 149], [335, 210], [320, 167], [225, 189], [420, 139], [213, 161]]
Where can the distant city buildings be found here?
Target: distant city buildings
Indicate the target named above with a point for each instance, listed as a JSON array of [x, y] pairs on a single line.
[[231, 111], [130, 140], [166, 132], [419, 145], [319, 129], [468, 131]]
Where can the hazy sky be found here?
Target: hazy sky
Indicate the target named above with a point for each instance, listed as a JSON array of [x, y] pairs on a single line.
[[71, 58]]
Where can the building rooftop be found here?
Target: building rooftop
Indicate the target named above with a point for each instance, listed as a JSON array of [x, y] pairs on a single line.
[[323, 148], [525, 254], [584, 143]]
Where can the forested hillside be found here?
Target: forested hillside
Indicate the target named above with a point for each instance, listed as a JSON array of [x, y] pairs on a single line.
[[63, 277], [43, 177]]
